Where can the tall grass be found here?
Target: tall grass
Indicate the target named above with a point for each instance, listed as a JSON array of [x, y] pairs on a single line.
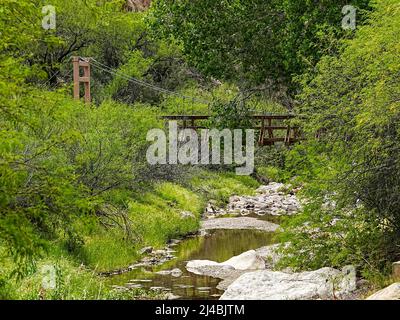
[[219, 186], [166, 211]]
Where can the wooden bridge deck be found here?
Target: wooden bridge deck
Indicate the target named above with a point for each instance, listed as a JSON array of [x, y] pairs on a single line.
[[265, 124]]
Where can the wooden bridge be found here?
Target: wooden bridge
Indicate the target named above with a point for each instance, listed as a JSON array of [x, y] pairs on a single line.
[[266, 125]]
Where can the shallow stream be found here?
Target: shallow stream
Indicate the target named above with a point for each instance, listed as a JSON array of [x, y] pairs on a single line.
[[219, 245]]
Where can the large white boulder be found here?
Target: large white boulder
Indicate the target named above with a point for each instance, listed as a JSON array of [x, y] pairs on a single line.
[[270, 254], [325, 283], [390, 293], [196, 266], [249, 260]]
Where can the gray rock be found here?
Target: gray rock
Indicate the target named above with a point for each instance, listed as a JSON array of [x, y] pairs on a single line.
[[171, 296], [133, 286], [163, 272], [239, 223], [187, 215], [325, 283], [174, 272], [159, 252], [270, 255], [120, 288], [229, 279], [273, 187], [389, 293], [147, 261], [229, 270], [269, 200], [158, 288], [173, 242], [199, 266], [396, 270], [183, 286], [249, 260], [146, 250], [203, 288]]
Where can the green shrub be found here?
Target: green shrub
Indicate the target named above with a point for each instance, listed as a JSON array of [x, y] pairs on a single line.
[[353, 105], [271, 173], [220, 186]]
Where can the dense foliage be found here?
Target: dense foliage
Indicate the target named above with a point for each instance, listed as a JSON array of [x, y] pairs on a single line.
[[75, 188], [255, 43], [353, 103]]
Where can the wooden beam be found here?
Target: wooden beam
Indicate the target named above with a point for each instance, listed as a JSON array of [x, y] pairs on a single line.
[[203, 117], [78, 63], [75, 64], [273, 127], [262, 133], [185, 117], [274, 117], [84, 79], [84, 63]]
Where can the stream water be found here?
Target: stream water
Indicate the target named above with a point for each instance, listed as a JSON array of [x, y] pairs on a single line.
[[219, 245]]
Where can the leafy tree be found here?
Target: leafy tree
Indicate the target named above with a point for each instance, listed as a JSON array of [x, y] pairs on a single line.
[[254, 43], [87, 28], [353, 103], [59, 159]]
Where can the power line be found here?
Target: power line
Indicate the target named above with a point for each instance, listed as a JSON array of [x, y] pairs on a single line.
[[44, 84], [143, 83]]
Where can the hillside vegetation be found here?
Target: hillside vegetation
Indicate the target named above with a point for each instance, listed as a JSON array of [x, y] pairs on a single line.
[[76, 190]]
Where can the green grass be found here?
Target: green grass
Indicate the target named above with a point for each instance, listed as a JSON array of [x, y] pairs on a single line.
[[108, 250], [220, 186], [272, 173], [72, 281], [155, 217]]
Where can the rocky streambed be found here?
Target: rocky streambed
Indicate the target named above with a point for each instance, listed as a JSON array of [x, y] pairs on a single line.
[[233, 257], [171, 277]]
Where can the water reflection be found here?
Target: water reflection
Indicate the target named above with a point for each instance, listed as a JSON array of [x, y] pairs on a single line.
[[219, 246]]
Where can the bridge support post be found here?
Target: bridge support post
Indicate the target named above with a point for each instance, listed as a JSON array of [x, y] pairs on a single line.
[[287, 137], [79, 63], [262, 133]]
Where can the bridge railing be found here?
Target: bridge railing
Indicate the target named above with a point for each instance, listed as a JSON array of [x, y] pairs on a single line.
[[271, 129]]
